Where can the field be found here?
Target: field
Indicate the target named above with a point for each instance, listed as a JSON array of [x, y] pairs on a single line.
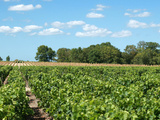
[[77, 91], [12, 63]]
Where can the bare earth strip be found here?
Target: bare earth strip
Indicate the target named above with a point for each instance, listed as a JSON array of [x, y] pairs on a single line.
[[5, 82], [39, 113], [69, 64]]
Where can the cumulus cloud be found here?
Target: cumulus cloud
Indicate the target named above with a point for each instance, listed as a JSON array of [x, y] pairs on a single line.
[[29, 28], [100, 7], [94, 15], [135, 10], [23, 7], [136, 13], [123, 33], [7, 29], [50, 31], [70, 24], [136, 24], [93, 31], [88, 27], [144, 14], [154, 25]]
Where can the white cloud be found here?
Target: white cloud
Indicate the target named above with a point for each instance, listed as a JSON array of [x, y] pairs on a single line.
[[29, 28], [144, 14], [50, 31], [38, 6], [23, 7], [154, 25], [70, 24], [73, 23], [136, 10], [94, 15], [123, 33], [16, 29], [136, 24], [93, 31], [100, 7], [136, 13], [127, 14], [7, 29], [88, 27], [58, 24]]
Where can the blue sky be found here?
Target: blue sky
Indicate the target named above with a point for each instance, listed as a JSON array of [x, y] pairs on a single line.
[[27, 24]]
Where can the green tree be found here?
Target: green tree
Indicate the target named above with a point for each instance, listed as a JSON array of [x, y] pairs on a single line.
[[1, 59], [45, 54], [63, 55], [148, 53], [7, 58], [109, 54], [76, 55], [129, 54], [145, 57]]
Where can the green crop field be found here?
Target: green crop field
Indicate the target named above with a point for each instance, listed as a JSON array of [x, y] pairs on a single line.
[[84, 93]]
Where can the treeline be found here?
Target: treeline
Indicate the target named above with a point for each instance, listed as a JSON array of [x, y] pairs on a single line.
[[144, 53], [7, 58]]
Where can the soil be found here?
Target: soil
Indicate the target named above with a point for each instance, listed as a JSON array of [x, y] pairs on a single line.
[[5, 82], [39, 114], [33, 103]]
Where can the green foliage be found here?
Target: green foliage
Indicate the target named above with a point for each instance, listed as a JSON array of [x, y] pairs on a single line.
[[63, 55], [13, 100], [145, 53], [8, 58], [4, 72], [97, 93], [45, 54], [103, 53], [1, 59], [129, 54]]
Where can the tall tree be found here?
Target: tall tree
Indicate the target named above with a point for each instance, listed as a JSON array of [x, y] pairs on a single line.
[[45, 54], [63, 55], [7, 58], [1, 59], [109, 54], [76, 55], [129, 54]]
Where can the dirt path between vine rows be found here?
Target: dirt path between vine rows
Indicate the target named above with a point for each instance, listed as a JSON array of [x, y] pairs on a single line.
[[33, 103], [6, 80]]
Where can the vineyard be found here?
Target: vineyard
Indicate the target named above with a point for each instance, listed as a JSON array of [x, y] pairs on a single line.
[[82, 92]]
